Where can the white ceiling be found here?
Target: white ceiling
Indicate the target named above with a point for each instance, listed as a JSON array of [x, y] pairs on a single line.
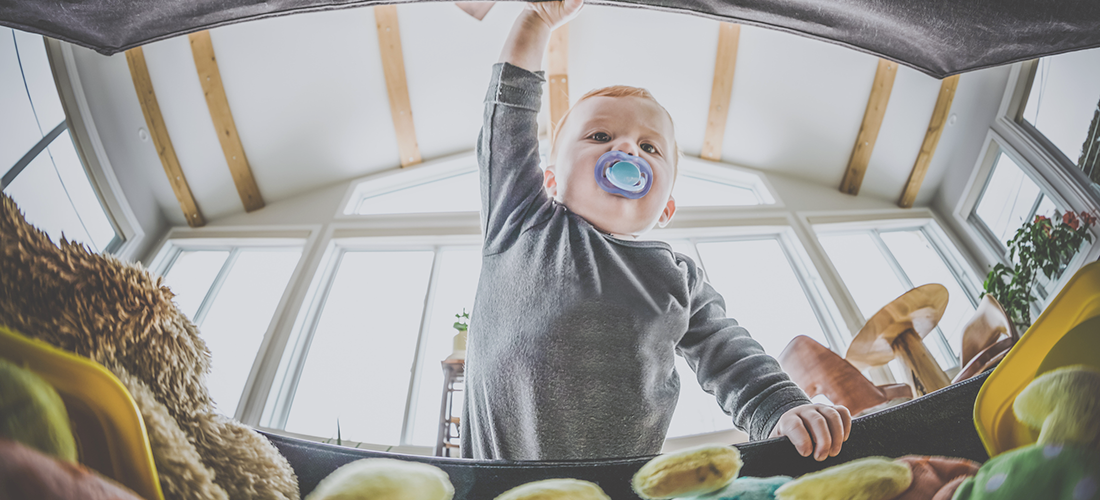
[[309, 99]]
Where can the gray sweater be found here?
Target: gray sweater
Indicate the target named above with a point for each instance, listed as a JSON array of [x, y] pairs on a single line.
[[573, 333]]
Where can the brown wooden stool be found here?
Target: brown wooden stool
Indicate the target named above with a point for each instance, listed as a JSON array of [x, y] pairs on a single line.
[[818, 370]]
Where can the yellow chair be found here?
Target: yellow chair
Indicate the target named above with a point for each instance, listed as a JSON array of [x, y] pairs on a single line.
[[109, 430], [1066, 333]]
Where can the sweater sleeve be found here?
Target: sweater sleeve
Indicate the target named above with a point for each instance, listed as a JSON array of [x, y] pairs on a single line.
[[508, 156], [748, 383]]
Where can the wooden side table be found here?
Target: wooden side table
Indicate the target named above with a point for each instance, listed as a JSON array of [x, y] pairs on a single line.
[[454, 378]]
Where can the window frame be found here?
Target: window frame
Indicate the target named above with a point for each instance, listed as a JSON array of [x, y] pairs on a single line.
[[1038, 158], [277, 409], [262, 402], [234, 239], [794, 250], [93, 156], [930, 229]]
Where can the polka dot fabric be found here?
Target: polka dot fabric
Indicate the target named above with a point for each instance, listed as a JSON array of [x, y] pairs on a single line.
[[1036, 472]]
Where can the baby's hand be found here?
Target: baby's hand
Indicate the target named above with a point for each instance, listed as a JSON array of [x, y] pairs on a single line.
[[556, 13], [816, 428]]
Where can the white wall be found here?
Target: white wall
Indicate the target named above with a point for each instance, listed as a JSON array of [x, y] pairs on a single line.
[[113, 104], [975, 108]]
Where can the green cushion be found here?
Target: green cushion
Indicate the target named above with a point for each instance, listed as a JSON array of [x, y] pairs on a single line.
[[1036, 472], [32, 413]]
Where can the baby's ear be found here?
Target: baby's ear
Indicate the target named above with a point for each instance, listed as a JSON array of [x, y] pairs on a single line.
[[668, 212], [550, 182]]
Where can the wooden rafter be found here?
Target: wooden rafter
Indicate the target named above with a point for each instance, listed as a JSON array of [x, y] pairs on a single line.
[[931, 140], [139, 72], [868, 130], [393, 65], [721, 90], [558, 66], [211, 80]]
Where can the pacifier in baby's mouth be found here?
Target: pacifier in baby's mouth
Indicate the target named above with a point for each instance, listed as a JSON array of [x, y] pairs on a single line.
[[624, 174]]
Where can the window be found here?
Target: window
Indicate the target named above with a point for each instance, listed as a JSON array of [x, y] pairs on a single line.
[[451, 185], [1062, 106], [230, 292], [765, 282], [42, 171], [878, 265], [1009, 200], [383, 310], [703, 184]]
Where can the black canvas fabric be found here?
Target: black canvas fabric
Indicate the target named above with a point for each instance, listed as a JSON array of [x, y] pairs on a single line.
[[941, 423], [938, 37]]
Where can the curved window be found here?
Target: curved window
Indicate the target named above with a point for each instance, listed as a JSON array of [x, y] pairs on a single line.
[[1063, 105], [43, 171], [451, 185]]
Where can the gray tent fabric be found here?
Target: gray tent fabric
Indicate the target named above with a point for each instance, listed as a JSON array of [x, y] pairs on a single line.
[[937, 37]]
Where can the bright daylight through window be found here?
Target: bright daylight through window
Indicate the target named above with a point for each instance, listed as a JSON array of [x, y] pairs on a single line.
[[42, 170], [231, 294], [1010, 199], [451, 185], [877, 266], [1064, 107]]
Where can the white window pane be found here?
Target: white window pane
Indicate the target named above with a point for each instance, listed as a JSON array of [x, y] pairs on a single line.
[[39, 77], [1063, 99], [358, 365], [80, 192], [191, 276], [456, 286], [696, 411], [40, 194], [18, 128], [458, 193], [761, 291], [1007, 200], [923, 265], [239, 317], [871, 280], [691, 191], [866, 273], [1046, 207]]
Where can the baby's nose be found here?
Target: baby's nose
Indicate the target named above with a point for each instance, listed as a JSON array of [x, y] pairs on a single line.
[[627, 147]]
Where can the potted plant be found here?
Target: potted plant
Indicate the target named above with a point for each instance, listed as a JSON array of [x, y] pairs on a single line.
[[462, 324], [1041, 246]]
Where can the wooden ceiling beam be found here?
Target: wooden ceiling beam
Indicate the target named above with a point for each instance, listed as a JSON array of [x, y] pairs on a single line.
[[139, 72], [558, 69], [393, 66], [211, 80], [721, 91], [868, 130], [931, 140]]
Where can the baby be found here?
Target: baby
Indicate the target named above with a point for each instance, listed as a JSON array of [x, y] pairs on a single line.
[[577, 321]]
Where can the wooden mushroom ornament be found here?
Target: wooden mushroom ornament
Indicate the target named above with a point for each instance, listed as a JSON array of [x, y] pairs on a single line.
[[896, 330]]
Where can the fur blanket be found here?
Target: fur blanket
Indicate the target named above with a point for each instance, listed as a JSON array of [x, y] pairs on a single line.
[[119, 315]]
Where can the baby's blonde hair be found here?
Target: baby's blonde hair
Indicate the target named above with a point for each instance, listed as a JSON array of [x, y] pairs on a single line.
[[617, 91]]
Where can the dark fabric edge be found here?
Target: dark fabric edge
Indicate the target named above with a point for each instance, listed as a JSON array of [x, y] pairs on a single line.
[[934, 73]]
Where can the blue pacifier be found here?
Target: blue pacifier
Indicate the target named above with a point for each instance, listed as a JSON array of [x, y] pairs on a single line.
[[624, 174]]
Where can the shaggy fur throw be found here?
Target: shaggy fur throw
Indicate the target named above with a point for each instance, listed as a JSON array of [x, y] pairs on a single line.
[[119, 315]]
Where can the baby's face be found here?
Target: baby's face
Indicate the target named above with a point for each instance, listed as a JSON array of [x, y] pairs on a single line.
[[595, 126]]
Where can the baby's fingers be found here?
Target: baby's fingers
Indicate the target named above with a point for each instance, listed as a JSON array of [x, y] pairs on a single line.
[[836, 428], [819, 429], [795, 430]]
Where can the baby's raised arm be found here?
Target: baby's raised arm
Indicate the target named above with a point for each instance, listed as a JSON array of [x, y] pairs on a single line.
[[531, 32]]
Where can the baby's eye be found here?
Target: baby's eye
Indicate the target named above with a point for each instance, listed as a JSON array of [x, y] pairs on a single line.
[[600, 137], [649, 148]]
